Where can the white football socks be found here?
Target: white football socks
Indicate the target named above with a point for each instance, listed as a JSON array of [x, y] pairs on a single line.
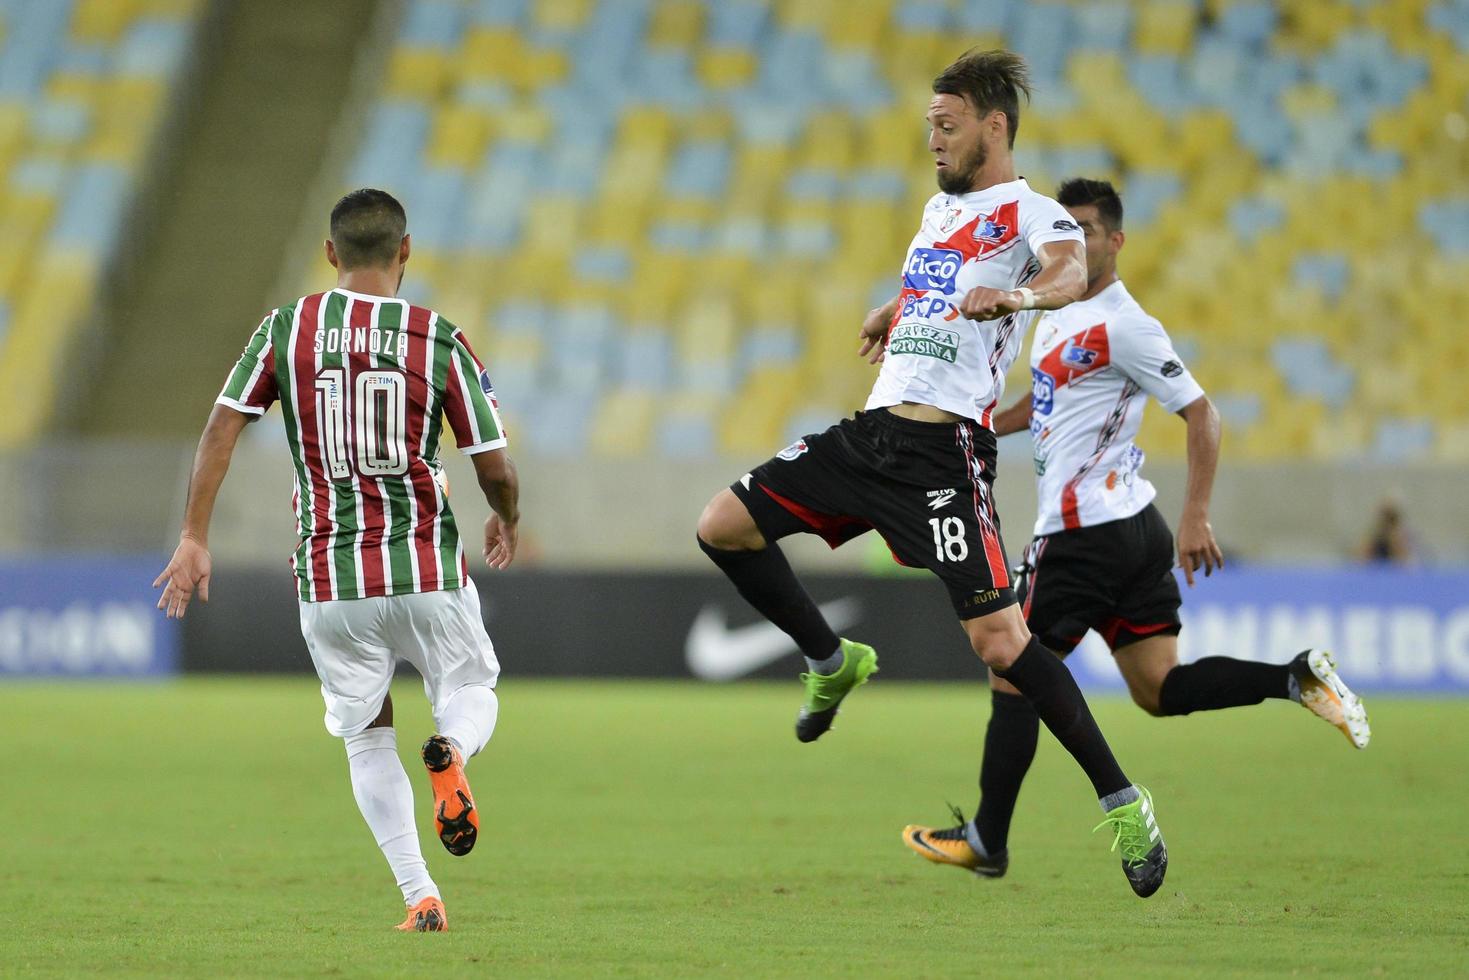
[[385, 798], [468, 719]]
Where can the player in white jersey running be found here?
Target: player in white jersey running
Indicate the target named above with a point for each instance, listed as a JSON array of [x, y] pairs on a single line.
[[1102, 558], [917, 464], [365, 381]]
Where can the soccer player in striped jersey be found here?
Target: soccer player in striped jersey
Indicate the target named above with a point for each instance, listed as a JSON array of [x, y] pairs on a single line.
[[1102, 558], [917, 465], [364, 382]]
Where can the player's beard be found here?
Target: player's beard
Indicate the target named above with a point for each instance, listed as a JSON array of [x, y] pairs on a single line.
[[957, 179]]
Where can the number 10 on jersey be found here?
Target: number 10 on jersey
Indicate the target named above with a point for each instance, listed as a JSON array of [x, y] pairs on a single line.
[[378, 404]]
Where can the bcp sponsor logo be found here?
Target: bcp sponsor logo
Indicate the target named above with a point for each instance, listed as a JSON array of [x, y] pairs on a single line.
[[933, 268], [919, 307]]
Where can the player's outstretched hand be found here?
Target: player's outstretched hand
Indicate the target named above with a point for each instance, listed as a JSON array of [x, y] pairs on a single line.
[[1197, 548], [874, 333], [500, 539], [984, 303], [186, 571]]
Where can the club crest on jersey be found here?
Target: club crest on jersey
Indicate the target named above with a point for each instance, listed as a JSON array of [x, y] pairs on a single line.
[[951, 218], [793, 451], [988, 230], [933, 268]]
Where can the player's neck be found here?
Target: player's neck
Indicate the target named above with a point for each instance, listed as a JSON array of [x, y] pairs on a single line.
[[998, 169], [1102, 282], [369, 282]]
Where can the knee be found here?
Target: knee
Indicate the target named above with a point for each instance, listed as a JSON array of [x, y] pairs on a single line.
[[1149, 700], [998, 644], [727, 525]]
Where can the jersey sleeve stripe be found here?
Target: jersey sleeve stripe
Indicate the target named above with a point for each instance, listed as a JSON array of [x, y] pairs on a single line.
[[484, 447], [239, 406]]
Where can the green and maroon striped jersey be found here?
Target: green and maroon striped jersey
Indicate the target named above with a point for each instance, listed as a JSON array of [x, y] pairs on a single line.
[[365, 383]]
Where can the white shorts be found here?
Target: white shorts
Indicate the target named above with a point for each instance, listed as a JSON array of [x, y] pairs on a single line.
[[357, 643]]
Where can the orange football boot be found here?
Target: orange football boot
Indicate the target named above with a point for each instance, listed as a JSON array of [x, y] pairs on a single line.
[[427, 916], [451, 790]]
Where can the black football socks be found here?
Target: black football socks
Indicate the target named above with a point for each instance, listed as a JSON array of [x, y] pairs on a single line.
[[1221, 682], [766, 581], [1041, 676], [1009, 749]]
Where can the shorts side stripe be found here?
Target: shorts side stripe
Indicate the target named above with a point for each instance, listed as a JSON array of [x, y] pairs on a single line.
[[983, 511]]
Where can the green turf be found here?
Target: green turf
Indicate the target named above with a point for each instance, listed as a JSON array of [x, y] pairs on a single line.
[[207, 828]]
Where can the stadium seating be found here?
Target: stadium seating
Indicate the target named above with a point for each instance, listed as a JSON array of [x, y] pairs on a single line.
[[664, 219], [83, 88]]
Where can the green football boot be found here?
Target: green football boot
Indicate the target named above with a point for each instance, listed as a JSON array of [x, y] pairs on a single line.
[[1144, 855], [824, 692]]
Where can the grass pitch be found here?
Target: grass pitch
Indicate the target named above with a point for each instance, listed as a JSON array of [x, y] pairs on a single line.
[[206, 827]]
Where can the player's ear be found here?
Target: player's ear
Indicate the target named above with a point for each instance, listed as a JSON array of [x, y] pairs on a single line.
[[331, 254], [997, 125], [404, 248], [1118, 240]]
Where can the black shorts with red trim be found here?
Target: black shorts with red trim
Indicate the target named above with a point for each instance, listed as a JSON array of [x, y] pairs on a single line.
[[1115, 578], [923, 486]]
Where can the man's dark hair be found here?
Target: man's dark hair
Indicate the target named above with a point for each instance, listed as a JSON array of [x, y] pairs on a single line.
[[367, 227], [988, 80], [1079, 191]]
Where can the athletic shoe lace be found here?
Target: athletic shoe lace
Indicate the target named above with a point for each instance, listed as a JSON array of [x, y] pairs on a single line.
[[953, 833], [1132, 834]]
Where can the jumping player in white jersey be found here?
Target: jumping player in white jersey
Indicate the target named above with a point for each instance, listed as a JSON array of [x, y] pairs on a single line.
[[365, 381], [1102, 557], [918, 462]]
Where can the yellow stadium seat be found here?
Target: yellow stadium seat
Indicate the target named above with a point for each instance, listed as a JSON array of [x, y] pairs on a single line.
[[676, 24], [423, 73], [561, 15], [726, 68], [765, 404], [541, 67], [58, 292], [553, 224], [911, 59], [810, 14], [1313, 25], [827, 143], [458, 136], [490, 53], [862, 26], [178, 9], [101, 21], [521, 123], [623, 424], [1165, 27]]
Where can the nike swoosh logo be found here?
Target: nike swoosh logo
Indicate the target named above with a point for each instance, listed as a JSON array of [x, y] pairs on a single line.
[[714, 652]]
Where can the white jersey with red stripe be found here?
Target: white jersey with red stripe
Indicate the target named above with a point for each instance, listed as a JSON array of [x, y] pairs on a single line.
[[935, 356], [1092, 366]]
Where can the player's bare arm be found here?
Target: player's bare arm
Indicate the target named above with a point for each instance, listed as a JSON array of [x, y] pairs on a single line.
[[189, 568], [1196, 545], [1014, 419], [875, 330], [497, 477], [1061, 281]]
